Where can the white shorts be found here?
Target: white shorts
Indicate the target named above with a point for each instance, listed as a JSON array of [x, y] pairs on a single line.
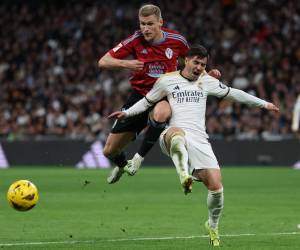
[[201, 155]]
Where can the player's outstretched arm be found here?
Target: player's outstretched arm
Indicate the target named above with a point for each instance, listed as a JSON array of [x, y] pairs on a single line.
[[153, 96], [139, 107], [243, 97], [109, 62]]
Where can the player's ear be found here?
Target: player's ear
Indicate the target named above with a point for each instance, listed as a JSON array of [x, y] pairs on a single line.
[[161, 22], [186, 60]]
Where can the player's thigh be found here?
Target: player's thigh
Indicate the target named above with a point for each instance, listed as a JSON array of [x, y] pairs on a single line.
[[116, 142], [211, 178], [172, 131], [134, 124], [201, 155], [166, 136], [161, 112]]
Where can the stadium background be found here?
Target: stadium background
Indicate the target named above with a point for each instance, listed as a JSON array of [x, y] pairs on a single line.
[[53, 106], [51, 88]]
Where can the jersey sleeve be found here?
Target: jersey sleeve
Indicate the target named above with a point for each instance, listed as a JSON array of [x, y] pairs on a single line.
[[216, 88], [243, 97], [158, 91], [124, 48], [184, 48], [182, 44]]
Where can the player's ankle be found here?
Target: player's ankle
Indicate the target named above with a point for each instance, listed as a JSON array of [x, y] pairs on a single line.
[[138, 156]]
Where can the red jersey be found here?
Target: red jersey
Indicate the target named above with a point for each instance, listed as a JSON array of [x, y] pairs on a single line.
[[159, 58]]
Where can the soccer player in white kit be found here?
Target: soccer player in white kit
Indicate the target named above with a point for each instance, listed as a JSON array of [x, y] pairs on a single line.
[[186, 140]]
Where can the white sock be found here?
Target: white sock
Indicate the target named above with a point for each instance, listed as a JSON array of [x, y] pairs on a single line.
[[215, 203], [137, 156], [179, 154]]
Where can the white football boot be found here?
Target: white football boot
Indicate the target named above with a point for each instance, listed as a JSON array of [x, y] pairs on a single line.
[[115, 175], [134, 164]]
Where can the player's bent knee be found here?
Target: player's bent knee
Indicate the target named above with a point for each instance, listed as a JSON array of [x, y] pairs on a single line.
[[162, 113], [215, 187], [108, 150], [172, 132], [161, 116], [175, 131]]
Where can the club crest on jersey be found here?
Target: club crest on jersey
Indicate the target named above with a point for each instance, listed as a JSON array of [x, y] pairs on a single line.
[[169, 53]]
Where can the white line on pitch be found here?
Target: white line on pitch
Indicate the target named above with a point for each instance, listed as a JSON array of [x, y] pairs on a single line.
[[140, 239]]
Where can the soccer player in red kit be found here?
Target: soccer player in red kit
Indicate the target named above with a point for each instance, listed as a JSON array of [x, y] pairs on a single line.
[[155, 51]]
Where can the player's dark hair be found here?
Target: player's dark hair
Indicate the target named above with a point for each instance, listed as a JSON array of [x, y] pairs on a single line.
[[199, 51]]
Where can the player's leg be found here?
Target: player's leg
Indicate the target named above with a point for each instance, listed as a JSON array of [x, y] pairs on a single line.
[[157, 122], [114, 145], [175, 144], [113, 150], [215, 200], [122, 132]]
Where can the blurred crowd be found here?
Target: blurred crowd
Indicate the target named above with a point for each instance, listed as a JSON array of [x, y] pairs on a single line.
[[51, 86]]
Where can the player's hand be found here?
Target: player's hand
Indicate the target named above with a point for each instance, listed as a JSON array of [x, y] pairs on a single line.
[[270, 106], [117, 115], [134, 65], [215, 73]]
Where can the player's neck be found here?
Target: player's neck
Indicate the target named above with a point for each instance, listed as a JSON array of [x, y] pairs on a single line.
[[159, 37], [186, 75]]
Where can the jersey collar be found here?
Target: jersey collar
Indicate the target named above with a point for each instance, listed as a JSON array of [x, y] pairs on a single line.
[[180, 72], [161, 40]]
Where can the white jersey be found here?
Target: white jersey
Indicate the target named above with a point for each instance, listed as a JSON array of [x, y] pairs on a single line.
[[187, 99]]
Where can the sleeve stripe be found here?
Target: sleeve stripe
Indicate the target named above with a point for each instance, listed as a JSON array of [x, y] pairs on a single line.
[[226, 93], [177, 37], [149, 101], [134, 36], [181, 40]]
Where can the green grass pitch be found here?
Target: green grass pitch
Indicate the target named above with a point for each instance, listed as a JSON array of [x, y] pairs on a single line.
[[79, 210]]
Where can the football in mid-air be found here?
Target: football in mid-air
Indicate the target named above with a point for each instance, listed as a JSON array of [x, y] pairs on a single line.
[[22, 195]]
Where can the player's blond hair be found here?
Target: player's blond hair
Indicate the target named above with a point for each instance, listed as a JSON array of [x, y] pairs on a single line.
[[150, 9]]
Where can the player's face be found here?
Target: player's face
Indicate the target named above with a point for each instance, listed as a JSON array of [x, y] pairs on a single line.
[[194, 67], [151, 27]]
